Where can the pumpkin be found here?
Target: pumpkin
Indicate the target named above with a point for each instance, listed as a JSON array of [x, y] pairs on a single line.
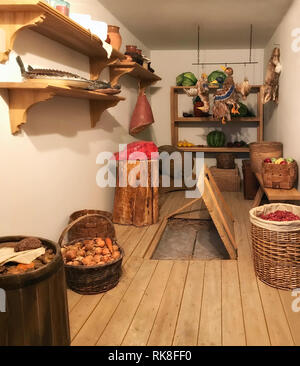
[[216, 139]]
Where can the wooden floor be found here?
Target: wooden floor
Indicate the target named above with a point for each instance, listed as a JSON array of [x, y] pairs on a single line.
[[162, 303]]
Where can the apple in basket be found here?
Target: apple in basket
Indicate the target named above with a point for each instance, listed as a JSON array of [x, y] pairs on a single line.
[[268, 161]]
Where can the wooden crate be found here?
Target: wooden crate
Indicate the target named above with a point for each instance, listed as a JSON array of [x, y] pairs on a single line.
[[228, 180]]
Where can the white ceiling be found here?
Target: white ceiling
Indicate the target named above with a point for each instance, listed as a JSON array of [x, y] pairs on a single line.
[[172, 24]]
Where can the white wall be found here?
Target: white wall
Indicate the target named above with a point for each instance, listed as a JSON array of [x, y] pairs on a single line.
[[49, 170], [169, 64], [282, 122]]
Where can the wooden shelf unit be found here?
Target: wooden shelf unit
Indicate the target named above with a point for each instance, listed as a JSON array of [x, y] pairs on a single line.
[[22, 96], [177, 121], [144, 76], [44, 19]]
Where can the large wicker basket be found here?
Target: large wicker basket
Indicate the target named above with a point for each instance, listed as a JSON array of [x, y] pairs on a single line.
[[279, 176], [91, 226], [95, 279], [276, 247]]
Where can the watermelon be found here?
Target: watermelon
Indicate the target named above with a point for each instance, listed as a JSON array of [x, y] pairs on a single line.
[[216, 139]]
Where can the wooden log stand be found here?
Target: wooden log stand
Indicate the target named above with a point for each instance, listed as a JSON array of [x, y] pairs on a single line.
[[136, 204]]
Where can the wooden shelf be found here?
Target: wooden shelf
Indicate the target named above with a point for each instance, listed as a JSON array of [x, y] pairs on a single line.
[[44, 19], [145, 77], [211, 119], [254, 88], [177, 122], [22, 96], [215, 149]]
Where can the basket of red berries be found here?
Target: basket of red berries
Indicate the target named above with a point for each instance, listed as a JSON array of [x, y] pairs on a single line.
[[279, 173], [275, 232]]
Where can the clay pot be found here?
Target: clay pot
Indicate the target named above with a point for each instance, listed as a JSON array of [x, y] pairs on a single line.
[[131, 49], [142, 115], [115, 36], [198, 112]]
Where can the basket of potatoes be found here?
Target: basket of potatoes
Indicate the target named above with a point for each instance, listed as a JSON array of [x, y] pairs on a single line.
[[92, 265]]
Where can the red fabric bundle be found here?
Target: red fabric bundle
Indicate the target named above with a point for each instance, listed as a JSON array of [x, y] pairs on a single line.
[[141, 150]]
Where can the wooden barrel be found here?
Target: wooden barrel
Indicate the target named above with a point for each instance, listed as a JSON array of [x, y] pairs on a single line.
[[36, 304], [259, 151]]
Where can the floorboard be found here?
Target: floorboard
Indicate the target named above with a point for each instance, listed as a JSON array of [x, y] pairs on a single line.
[[185, 303]]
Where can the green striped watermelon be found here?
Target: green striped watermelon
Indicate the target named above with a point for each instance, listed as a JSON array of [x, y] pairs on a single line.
[[216, 139]]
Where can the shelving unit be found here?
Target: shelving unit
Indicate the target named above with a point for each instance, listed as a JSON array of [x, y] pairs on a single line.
[[177, 122], [44, 19], [22, 96], [145, 77]]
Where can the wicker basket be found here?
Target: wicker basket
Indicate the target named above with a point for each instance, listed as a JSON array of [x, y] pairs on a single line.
[[92, 226], [276, 248], [279, 176], [96, 279], [228, 180], [225, 161], [259, 151]]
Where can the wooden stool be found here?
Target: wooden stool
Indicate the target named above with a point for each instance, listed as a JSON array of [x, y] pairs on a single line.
[[136, 205], [274, 195]]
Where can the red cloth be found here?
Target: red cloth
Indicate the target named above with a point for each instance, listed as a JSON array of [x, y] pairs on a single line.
[[135, 149]]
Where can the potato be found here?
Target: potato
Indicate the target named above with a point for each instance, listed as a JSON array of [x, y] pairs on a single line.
[[69, 263], [88, 261], [116, 255], [70, 255], [105, 251], [100, 242], [97, 259], [105, 259], [76, 263], [98, 251], [89, 247], [115, 248], [81, 253]]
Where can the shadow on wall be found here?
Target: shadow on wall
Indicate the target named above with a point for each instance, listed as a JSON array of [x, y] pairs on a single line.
[[270, 110], [48, 52], [64, 117]]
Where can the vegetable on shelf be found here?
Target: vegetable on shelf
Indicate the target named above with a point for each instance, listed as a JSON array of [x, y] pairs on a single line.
[[185, 144], [186, 79], [216, 139]]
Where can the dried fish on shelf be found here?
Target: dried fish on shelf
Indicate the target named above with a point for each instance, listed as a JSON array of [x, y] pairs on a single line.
[[65, 78]]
